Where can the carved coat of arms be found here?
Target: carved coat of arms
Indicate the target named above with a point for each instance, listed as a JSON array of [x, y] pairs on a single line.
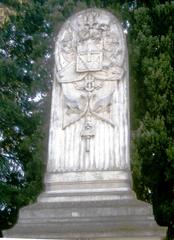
[[89, 62]]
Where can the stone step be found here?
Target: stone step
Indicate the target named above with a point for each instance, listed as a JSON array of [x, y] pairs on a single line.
[[109, 203], [84, 196], [121, 218], [92, 212], [89, 229], [94, 238], [75, 219]]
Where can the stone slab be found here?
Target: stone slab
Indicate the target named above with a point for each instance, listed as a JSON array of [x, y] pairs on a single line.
[[87, 220], [139, 238], [87, 186]]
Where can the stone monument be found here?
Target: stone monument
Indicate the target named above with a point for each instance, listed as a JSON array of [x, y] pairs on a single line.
[[87, 182]]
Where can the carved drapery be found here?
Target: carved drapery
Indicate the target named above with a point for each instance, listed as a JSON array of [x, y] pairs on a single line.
[[89, 119]]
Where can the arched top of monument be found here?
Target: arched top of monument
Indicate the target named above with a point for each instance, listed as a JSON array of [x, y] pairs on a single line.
[[92, 14], [90, 41]]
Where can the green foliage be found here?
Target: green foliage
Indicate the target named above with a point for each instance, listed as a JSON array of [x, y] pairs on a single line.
[[23, 42], [151, 38]]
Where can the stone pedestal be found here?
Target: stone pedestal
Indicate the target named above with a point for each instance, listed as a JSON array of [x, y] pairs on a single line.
[[87, 220], [86, 186], [87, 205]]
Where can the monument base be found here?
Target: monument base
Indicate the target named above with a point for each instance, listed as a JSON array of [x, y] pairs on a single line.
[[121, 238], [87, 207]]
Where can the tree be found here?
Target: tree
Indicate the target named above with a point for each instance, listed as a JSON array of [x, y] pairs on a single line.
[[23, 41], [151, 38]]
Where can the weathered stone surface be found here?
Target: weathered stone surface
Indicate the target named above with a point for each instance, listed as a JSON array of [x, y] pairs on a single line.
[[89, 129], [88, 183], [120, 238], [90, 219]]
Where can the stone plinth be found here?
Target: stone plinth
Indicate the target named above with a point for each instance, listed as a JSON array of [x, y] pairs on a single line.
[[86, 186], [135, 238], [89, 220], [90, 206]]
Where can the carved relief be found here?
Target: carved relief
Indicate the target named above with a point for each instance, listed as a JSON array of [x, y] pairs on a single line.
[[89, 114], [89, 58]]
